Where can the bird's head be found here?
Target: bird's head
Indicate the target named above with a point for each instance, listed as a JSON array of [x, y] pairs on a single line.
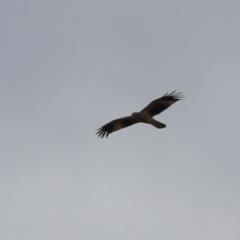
[[134, 114]]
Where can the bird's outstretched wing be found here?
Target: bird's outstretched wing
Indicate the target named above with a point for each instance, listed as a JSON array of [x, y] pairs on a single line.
[[115, 125], [159, 105]]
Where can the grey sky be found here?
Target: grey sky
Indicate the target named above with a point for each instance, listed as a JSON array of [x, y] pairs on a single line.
[[68, 67]]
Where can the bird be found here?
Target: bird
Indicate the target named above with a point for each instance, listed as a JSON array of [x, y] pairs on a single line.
[[144, 116]]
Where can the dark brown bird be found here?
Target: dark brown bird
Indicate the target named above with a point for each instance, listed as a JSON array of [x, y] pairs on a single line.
[[145, 116]]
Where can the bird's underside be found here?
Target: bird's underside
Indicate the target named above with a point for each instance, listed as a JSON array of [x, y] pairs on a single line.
[[145, 116]]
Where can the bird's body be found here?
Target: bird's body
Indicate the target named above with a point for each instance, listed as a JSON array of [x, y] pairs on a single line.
[[145, 116]]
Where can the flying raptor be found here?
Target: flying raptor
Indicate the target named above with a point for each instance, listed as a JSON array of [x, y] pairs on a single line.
[[145, 116]]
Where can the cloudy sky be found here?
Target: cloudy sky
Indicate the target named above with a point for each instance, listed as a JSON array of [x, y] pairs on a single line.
[[67, 68]]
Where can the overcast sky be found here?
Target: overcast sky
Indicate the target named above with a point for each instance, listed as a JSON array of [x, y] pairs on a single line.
[[67, 68]]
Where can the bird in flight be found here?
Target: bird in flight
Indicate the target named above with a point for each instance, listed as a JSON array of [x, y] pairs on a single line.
[[145, 116]]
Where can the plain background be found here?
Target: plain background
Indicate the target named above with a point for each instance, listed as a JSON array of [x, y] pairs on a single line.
[[67, 68]]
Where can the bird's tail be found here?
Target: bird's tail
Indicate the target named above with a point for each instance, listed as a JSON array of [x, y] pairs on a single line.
[[157, 124]]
